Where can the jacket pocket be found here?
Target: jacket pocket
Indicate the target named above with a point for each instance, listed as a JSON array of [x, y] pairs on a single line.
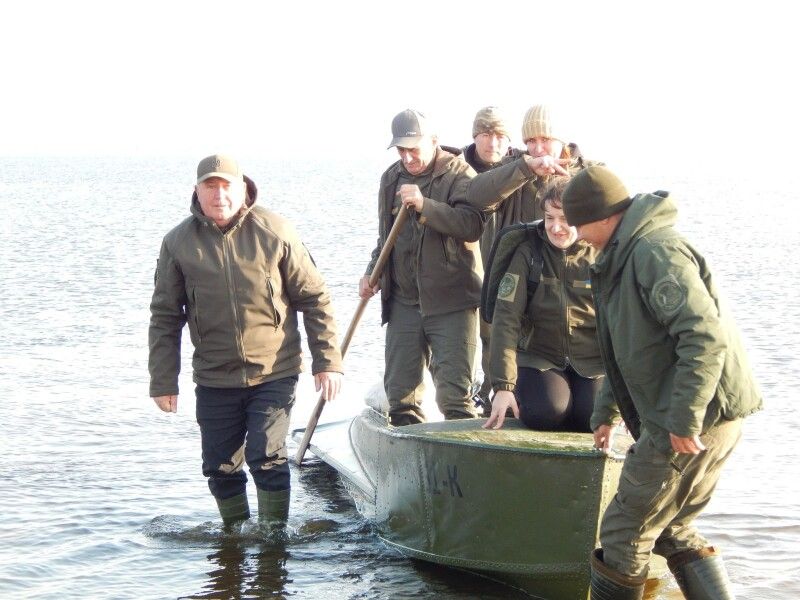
[[196, 315], [647, 478], [271, 304], [445, 250]]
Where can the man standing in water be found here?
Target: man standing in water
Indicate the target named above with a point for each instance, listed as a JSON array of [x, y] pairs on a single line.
[[677, 373], [431, 287], [238, 274]]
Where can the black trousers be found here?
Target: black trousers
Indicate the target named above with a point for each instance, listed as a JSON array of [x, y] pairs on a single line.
[[239, 425], [556, 400]]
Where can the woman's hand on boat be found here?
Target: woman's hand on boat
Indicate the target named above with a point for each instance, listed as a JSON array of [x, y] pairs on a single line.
[[501, 402], [364, 290], [329, 383], [167, 403]]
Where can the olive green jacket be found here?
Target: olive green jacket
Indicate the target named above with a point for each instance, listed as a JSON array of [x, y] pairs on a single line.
[[553, 328], [673, 357], [449, 270], [239, 290], [509, 194]]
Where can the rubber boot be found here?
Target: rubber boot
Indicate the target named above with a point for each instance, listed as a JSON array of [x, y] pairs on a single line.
[[273, 508], [701, 574], [608, 584], [235, 509]]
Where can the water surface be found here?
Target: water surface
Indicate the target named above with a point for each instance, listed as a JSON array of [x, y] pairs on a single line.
[[101, 494]]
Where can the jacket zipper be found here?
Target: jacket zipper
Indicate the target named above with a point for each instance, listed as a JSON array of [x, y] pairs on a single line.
[[226, 258]]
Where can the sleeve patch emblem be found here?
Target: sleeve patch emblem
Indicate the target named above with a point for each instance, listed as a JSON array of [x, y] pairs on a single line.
[[508, 287], [668, 295]]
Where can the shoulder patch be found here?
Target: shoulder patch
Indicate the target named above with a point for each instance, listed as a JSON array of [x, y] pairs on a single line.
[[668, 295], [508, 287]]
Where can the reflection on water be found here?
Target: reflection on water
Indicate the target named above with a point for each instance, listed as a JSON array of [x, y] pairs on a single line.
[[101, 495]]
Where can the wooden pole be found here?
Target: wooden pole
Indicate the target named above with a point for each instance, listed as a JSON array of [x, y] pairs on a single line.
[[377, 270]]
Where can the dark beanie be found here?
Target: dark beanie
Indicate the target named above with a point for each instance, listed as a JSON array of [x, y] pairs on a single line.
[[594, 194]]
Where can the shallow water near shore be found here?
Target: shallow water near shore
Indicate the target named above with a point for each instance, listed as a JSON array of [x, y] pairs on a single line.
[[101, 494]]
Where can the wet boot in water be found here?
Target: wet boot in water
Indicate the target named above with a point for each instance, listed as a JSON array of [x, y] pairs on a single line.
[[701, 574], [235, 509], [608, 584], [273, 508]]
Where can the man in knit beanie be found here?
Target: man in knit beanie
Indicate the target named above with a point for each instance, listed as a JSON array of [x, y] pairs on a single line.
[[490, 140], [507, 194], [491, 144], [676, 373], [510, 190]]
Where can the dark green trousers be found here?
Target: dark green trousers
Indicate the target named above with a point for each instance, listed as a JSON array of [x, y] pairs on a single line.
[[445, 344], [658, 498]]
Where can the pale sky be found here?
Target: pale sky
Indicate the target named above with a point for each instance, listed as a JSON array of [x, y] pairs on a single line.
[[679, 81]]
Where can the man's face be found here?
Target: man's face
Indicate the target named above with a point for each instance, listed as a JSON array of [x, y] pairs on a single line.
[[543, 146], [221, 199], [596, 233], [491, 146], [416, 160]]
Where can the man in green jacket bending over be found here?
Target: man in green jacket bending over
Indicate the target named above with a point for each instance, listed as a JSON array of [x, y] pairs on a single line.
[[676, 372], [238, 274]]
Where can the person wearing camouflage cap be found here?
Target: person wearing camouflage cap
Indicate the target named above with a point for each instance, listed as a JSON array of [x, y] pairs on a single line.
[[510, 190], [491, 144], [677, 374], [491, 140], [238, 274], [431, 287]]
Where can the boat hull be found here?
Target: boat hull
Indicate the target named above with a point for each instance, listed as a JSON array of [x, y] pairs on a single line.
[[519, 506]]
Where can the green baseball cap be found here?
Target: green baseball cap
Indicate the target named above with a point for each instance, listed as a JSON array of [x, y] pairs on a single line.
[[219, 165]]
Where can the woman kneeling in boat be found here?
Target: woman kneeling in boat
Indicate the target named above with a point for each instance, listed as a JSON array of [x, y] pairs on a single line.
[[545, 363]]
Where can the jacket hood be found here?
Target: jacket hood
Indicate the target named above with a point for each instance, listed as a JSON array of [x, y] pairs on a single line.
[[647, 213], [250, 200]]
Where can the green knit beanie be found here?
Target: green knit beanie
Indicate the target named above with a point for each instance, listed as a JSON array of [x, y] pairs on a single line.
[[594, 194]]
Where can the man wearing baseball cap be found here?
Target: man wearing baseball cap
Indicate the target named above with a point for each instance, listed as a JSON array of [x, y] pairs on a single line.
[[431, 287], [238, 274], [677, 374]]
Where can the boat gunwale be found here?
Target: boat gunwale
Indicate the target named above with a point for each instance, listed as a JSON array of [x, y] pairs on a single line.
[[427, 437]]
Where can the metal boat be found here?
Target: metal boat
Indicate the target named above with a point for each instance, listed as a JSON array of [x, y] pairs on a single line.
[[519, 506]]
